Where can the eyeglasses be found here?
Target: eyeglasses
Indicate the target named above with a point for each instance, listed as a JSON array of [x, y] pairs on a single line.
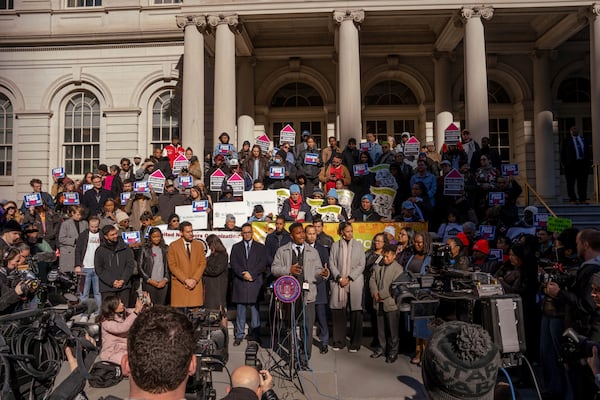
[[11, 208], [174, 220]]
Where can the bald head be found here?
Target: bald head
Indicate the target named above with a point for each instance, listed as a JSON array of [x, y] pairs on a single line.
[[246, 377]]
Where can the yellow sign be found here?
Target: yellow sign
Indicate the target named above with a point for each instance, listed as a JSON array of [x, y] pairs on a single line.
[[363, 231]]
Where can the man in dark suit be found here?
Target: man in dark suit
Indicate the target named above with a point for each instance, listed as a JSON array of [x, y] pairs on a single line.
[[576, 164], [248, 262], [94, 198]]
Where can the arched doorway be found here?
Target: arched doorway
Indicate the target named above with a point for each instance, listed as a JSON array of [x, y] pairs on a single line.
[[301, 106], [391, 108]]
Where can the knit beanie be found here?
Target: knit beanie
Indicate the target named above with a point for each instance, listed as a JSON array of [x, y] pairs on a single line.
[[460, 362]]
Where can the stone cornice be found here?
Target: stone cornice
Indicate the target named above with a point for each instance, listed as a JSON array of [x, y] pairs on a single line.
[[122, 111], [485, 12], [356, 16], [19, 114]]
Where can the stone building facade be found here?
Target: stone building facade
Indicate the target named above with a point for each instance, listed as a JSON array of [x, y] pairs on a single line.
[[83, 81]]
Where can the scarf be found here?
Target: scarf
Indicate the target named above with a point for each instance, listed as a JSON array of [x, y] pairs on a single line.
[[295, 208], [346, 266]]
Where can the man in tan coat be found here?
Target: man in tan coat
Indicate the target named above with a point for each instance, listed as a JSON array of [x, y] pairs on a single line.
[[187, 262]]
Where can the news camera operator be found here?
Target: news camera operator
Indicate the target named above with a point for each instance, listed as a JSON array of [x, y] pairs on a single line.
[[10, 297], [561, 268], [580, 305]]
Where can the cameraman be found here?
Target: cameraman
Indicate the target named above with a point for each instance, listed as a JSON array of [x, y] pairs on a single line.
[[10, 297], [249, 384], [580, 304]]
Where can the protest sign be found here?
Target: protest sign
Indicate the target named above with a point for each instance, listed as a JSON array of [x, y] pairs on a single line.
[[156, 180], [330, 213], [311, 159], [412, 147], [125, 196], [200, 206], [186, 182], [179, 163], [199, 220], [276, 172], [287, 135], [263, 142], [496, 198], [87, 186], [131, 237], [383, 199], [540, 220], [558, 225], [216, 180], [58, 173], [365, 146], [141, 187], [235, 208], [265, 198], [237, 184], [452, 134], [510, 169], [487, 232], [360, 169], [71, 198], [33, 200], [454, 183]]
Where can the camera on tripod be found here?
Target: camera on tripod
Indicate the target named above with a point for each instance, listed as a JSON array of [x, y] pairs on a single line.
[[554, 272]]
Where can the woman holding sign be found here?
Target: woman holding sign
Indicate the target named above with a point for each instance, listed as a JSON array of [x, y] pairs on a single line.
[[225, 148]]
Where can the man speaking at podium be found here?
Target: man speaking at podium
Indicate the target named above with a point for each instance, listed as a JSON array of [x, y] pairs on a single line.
[[303, 263]]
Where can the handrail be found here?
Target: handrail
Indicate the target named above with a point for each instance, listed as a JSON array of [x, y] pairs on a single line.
[[596, 175], [529, 188]]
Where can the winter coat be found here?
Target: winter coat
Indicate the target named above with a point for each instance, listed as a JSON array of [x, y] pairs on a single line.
[[183, 267], [94, 201], [356, 273], [67, 240], [309, 171], [380, 282], [215, 281], [114, 337], [113, 262], [263, 167], [246, 292], [311, 267], [167, 203]]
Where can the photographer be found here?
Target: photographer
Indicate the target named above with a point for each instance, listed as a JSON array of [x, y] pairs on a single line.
[[10, 297], [580, 304], [249, 384], [116, 322]]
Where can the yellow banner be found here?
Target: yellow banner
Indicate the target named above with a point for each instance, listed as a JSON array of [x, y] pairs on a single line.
[[363, 231]]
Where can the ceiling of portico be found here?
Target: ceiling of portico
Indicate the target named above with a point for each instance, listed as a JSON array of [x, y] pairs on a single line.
[[409, 33]]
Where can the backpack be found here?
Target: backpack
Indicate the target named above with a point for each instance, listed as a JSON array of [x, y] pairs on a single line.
[[105, 374]]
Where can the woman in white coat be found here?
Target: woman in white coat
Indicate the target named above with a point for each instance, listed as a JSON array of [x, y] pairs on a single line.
[[347, 263]]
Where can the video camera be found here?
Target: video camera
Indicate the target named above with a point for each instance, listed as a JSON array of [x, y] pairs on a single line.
[[575, 347], [555, 272]]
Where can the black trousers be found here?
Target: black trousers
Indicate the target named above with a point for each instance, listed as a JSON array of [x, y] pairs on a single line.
[[388, 330], [577, 173], [339, 319]]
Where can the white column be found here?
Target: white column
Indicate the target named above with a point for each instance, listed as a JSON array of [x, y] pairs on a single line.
[[349, 96], [245, 100], [595, 79], [224, 98], [192, 111], [475, 76], [443, 96], [545, 176]]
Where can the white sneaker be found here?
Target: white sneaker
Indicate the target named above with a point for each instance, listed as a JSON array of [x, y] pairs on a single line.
[[84, 318]]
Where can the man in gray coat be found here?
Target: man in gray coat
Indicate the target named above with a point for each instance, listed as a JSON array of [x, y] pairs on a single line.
[[303, 263], [388, 321]]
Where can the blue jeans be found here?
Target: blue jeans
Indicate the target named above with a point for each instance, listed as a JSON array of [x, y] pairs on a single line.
[[91, 279], [240, 320], [555, 376]]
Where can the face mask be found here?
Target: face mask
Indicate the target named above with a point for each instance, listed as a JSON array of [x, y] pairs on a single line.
[[277, 161]]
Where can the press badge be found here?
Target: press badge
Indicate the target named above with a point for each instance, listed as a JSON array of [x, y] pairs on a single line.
[[305, 286]]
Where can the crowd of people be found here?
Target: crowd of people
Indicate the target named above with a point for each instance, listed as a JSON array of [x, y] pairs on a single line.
[[341, 283]]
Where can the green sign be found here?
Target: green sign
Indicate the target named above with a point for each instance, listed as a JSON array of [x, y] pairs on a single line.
[[558, 225]]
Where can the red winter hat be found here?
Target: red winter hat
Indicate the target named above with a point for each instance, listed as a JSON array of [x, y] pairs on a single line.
[[482, 246], [463, 238]]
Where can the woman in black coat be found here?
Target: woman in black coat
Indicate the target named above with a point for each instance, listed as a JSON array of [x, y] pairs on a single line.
[[215, 275], [154, 267]]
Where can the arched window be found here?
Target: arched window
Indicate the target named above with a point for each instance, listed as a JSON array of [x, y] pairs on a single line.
[[574, 90], [390, 93], [296, 94], [82, 134], [6, 135], [497, 94], [165, 118]]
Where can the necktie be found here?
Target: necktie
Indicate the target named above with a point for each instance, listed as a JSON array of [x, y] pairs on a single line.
[[247, 249], [189, 251], [299, 254], [579, 147]]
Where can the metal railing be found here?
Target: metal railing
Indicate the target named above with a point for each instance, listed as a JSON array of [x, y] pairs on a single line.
[[529, 189], [596, 176]]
